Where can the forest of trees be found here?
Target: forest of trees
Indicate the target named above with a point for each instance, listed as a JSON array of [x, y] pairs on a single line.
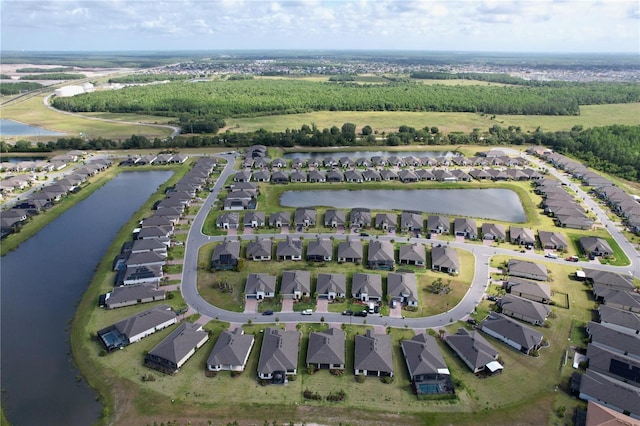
[[16, 88], [147, 78], [612, 149], [246, 98], [53, 76]]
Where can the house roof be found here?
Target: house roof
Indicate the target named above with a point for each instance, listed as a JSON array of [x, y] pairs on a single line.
[[295, 281], [411, 220], [529, 287], [284, 217], [136, 273], [373, 352], [472, 348], [180, 342], [595, 244], [226, 248], [303, 214], [231, 348], [336, 283], [445, 257], [552, 238], [390, 219], [423, 356], [145, 320], [609, 279], [619, 317], [611, 391], [599, 415], [350, 249], [381, 251], [320, 247], [413, 252], [495, 229], [516, 266], [360, 216], [435, 222], [279, 351], [511, 329], [326, 347], [605, 336], [402, 284], [464, 224], [337, 216], [260, 248], [289, 247], [602, 360], [370, 284], [260, 283], [129, 293], [524, 307], [145, 258], [254, 216], [232, 218], [518, 233]]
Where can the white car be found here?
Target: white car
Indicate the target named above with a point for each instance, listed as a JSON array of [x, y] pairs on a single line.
[[307, 312]]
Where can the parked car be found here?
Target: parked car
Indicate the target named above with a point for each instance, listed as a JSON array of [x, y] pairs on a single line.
[[307, 312], [492, 298], [376, 309], [394, 303], [348, 312], [364, 234], [551, 255], [268, 312], [572, 259], [360, 314], [472, 321]]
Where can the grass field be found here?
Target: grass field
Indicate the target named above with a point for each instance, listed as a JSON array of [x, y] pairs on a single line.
[[591, 116]]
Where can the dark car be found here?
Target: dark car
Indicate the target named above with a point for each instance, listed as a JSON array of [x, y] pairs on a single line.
[[269, 312], [348, 312], [472, 321], [376, 309], [360, 314], [364, 234], [492, 298]]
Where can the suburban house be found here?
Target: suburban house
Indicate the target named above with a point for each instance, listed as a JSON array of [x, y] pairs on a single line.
[[493, 231], [366, 287], [278, 355], [439, 224], [259, 249], [353, 176], [615, 365], [511, 332], [335, 176], [381, 255], [386, 221], [260, 286], [608, 279], [280, 219], [304, 217], [526, 269], [552, 240], [132, 295], [254, 220], [331, 286], [334, 218], [403, 287], [231, 351], [326, 349], [410, 222], [350, 251], [136, 327], [317, 176], [242, 176], [524, 309], [139, 246], [427, 370], [360, 218], [465, 227], [521, 236], [297, 176], [320, 250], [599, 415], [475, 351], [445, 259], [617, 298], [145, 274], [619, 320], [413, 254], [145, 258], [595, 246], [532, 290], [171, 354], [295, 284], [225, 256], [289, 249], [373, 355], [261, 176], [611, 393], [613, 340]]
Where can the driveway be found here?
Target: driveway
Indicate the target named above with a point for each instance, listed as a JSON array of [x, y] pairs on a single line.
[[284, 230], [396, 312], [322, 305], [287, 305], [232, 232], [247, 231], [250, 306]]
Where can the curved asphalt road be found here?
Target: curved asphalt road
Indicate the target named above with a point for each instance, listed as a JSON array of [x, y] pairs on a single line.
[[474, 295]]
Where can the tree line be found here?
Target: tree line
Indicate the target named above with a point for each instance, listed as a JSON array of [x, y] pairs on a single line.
[[16, 88], [611, 149], [247, 98]]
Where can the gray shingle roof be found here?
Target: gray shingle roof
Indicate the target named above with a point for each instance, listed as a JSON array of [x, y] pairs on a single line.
[[260, 283], [145, 320], [326, 347], [289, 247], [413, 252], [525, 268], [619, 317], [350, 249], [320, 247], [370, 284], [295, 281], [131, 293], [180, 342], [402, 285], [260, 248], [472, 348], [525, 309], [279, 351], [423, 356], [373, 352], [512, 330], [336, 283], [231, 348], [605, 336], [613, 392], [528, 287]]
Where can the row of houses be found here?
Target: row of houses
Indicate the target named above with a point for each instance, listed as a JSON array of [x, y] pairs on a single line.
[[297, 284], [55, 163], [612, 378], [623, 204], [380, 254], [566, 211], [377, 175], [45, 198], [152, 159]]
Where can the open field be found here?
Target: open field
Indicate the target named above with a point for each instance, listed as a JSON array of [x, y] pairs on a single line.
[[590, 116], [33, 112]]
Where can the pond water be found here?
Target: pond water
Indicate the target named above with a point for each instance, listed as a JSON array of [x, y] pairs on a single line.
[[21, 159], [41, 281], [493, 203], [14, 128], [365, 154]]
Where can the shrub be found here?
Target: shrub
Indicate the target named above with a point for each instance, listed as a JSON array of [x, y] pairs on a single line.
[[311, 369], [315, 396], [387, 379], [148, 378], [360, 378], [292, 378], [337, 396], [336, 372]]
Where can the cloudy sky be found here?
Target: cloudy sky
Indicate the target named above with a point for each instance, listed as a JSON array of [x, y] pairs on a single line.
[[460, 25]]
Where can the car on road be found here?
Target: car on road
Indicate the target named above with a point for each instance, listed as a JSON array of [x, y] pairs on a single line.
[[364, 234], [551, 255], [360, 314], [348, 312], [572, 259], [268, 312], [307, 312]]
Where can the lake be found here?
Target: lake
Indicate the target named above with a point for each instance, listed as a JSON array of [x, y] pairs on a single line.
[[365, 154], [41, 282], [14, 128], [493, 203]]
